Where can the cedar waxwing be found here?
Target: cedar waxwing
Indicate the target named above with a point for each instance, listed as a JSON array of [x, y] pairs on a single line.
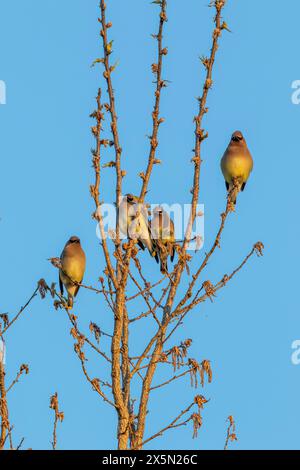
[[163, 236], [236, 163], [72, 268], [133, 220]]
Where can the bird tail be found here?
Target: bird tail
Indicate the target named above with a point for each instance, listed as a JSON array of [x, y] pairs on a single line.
[[70, 301]]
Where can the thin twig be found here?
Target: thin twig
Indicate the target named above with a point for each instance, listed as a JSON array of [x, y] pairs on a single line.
[[95, 189], [22, 309], [21, 443]]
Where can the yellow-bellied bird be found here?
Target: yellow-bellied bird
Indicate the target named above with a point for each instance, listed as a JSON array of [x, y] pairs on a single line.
[[134, 222], [237, 163], [163, 236], [72, 268]]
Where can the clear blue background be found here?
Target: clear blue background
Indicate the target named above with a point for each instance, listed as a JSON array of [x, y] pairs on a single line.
[[47, 49]]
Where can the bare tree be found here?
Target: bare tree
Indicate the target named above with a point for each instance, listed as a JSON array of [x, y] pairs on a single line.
[[123, 271]]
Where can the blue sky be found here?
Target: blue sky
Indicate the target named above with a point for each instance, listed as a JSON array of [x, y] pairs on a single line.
[[45, 176]]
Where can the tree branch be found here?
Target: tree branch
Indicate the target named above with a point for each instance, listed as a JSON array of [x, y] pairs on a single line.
[[107, 49], [156, 121], [23, 368], [200, 136]]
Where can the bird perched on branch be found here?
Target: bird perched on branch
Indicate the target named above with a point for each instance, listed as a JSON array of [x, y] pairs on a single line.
[[72, 268], [134, 223], [163, 236], [236, 164]]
